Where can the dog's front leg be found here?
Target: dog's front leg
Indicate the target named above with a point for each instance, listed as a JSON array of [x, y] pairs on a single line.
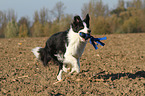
[[75, 66], [74, 63]]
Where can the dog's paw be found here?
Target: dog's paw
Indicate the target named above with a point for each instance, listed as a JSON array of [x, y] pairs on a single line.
[[66, 69], [59, 78]]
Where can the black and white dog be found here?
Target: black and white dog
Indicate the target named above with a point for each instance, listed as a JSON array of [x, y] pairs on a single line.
[[65, 47]]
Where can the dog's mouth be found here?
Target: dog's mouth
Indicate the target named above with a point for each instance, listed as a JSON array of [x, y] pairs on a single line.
[[84, 36]]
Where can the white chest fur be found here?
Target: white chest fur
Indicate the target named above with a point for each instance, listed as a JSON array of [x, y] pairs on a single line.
[[76, 46]]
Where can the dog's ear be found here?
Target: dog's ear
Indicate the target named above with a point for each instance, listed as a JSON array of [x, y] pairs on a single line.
[[77, 24], [77, 20], [87, 19]]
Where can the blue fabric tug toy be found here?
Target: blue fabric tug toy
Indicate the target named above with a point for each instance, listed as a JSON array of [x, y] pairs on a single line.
[[92, 39]]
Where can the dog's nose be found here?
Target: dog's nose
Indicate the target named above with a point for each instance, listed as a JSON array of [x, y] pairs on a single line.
[[89, 31]]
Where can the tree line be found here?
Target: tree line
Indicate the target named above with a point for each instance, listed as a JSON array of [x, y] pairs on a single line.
[[127, 17]]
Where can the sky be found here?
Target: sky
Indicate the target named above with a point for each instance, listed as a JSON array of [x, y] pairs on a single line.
[[28, 7]]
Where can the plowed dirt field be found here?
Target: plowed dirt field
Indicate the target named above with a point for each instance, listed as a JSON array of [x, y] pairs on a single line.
[[118, 68]]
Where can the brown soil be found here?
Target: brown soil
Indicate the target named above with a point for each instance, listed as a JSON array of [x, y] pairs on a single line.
[[118, 68]]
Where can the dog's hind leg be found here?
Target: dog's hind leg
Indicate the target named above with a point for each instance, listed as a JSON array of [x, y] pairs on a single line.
[[46, 60], [59, 76]]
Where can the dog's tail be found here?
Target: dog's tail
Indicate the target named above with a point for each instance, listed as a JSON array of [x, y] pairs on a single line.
[[42, 54], [36, 52]]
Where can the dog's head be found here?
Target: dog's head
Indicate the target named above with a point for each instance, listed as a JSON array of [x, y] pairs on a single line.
[[79, 25]]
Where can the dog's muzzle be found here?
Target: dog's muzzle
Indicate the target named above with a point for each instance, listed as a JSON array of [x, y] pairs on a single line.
[[86, 36]]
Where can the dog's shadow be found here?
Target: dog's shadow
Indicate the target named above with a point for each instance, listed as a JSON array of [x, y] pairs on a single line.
[[113, 77]]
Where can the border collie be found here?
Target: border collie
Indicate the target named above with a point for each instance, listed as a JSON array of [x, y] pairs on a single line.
[[65, 47]]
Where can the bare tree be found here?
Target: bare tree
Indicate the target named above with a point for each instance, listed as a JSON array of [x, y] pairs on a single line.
[[85, 10], [24, 20], [58, 10], [1, 24], [43, 15], [24, 25], [11, 15], [95, 8], [11, 30], [36, 16], [121, 4], [1, 16], [5, 18]]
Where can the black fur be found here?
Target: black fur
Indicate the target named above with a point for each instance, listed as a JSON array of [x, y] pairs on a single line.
[[54, 45]]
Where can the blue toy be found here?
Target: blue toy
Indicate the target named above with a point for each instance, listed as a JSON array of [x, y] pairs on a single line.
[[92, 39]]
